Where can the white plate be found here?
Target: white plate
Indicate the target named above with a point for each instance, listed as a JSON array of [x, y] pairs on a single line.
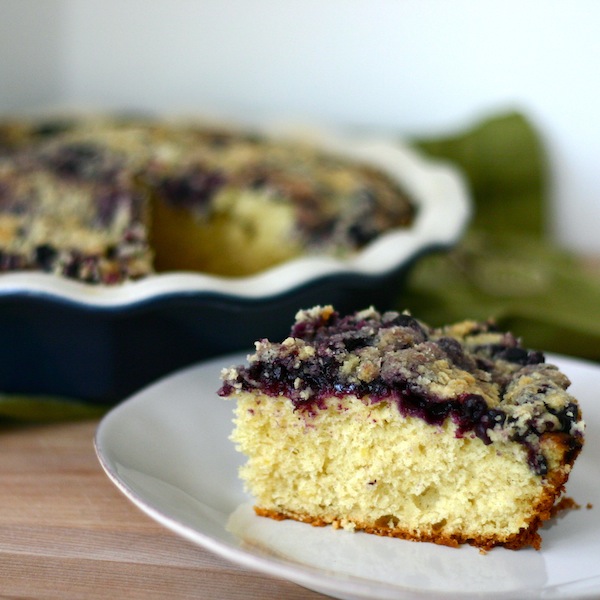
[[167, 450]]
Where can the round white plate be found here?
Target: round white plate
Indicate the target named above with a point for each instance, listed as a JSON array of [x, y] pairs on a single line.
[[167, 450]]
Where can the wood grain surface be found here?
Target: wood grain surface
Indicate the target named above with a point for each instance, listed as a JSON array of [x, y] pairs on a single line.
[[66, 532]]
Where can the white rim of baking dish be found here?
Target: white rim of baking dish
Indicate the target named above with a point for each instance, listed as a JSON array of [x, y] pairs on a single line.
[[443, 210]]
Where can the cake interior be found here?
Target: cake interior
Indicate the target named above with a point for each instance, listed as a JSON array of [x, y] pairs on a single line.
[[359, 465]]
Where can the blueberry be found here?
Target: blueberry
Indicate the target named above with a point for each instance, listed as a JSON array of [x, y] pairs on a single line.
[[455, 352], [567, 416], [74, 160], [474, 407], [192, 189], [360, 234], [45, 254], [356, 340]]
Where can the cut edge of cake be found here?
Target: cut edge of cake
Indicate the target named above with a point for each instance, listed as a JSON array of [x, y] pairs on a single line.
[[517, 448]]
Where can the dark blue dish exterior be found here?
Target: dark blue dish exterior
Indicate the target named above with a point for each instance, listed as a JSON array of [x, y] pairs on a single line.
[[53, 346]]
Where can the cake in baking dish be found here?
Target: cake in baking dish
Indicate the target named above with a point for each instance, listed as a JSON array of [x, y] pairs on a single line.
[[71, 207], [377, 422], [106, 201]]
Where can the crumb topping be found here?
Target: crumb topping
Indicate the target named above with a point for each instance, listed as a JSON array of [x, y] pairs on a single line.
[[481, 378]]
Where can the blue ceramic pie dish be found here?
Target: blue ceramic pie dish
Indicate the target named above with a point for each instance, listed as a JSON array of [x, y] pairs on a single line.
[[102, 343]]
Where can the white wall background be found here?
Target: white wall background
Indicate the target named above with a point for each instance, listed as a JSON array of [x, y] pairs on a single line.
[[407, 66]]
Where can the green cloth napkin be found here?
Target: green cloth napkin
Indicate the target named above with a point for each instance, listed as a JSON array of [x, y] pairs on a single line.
[[505, 268], [15, 408]]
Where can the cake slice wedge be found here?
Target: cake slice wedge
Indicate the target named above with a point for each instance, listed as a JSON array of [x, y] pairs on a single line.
[[377, 422]]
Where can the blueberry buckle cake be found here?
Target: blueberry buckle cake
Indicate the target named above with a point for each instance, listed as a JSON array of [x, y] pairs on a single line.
[[378, 422], [106, 201]]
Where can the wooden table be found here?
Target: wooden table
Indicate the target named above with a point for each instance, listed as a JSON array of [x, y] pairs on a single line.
[[66, 532]]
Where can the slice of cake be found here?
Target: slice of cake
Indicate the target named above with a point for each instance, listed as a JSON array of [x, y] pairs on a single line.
[[378, 422]]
